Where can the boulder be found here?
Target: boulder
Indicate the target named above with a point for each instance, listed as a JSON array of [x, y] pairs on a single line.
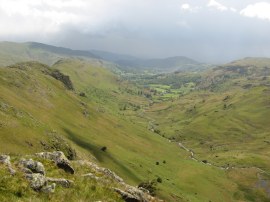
[[59, 158], [37, 181], [33, 166], [5, 159]]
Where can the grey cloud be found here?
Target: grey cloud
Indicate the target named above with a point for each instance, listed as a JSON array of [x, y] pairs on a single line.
[[161, 28]]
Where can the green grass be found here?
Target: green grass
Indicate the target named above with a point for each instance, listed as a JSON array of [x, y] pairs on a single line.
[[33, 105]]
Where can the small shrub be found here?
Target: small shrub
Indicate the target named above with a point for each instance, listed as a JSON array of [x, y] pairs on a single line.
[[157, 163], [103, 149], [151, 186], [82, 94], [159, 180]]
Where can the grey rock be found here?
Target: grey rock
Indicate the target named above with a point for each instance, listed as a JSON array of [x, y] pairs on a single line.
[[111, 174], [5, 159], [61, 181], [37, 181], [127, 196], [59, 158], [134, 194], [104, 171], [34, 166], [63, 78], [11, 170], [49, 188]]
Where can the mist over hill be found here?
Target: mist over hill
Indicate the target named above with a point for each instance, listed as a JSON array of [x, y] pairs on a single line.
[[18, 52]]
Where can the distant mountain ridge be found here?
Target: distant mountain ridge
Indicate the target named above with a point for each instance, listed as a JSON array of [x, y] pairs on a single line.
[[113, 57], [162, 64], [11, 53], [61, 50]]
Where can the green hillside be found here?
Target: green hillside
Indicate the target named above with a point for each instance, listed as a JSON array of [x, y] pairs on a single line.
[[224, 120], [223, 123]]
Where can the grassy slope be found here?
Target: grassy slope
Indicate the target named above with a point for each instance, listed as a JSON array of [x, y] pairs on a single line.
[[208, 126], [227, 124], [33, 105]]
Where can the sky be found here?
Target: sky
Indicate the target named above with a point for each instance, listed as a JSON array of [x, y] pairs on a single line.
[[214, 31]]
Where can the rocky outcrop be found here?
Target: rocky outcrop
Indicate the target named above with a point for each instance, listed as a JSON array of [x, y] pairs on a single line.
[[59, 158], [127, 196], [34, 171], [127, 192], [33, 166], [5, 159], [110, 174], [37, 180], [134, 194], [63, 78], [35, 174]]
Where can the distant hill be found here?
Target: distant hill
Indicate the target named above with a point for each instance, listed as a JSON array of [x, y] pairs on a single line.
[[113, 57], [252, 61], [61, 50], [248, 68], [11, 53], [170, 64], [177, 63]]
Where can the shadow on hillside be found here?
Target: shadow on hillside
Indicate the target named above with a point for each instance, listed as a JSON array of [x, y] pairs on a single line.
[[99, 154]]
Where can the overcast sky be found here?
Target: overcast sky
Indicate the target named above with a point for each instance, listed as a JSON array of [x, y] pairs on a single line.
[[206, 30]]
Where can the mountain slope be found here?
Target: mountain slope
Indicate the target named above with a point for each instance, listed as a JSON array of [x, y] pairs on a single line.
[[38, 112], [253, 69], [223, 120]]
